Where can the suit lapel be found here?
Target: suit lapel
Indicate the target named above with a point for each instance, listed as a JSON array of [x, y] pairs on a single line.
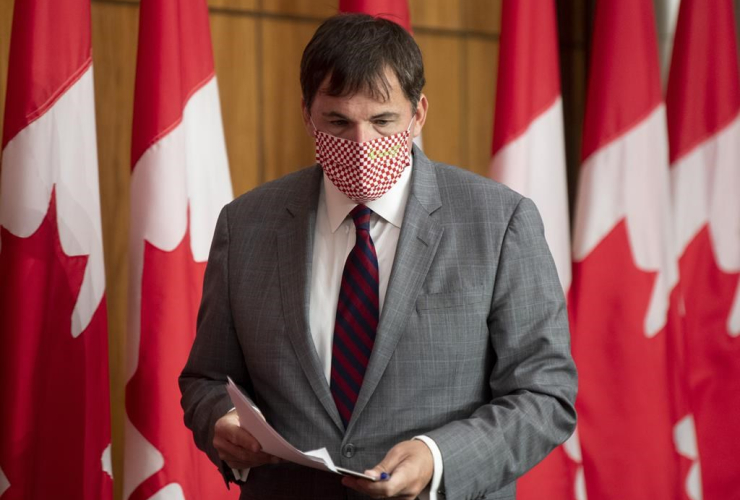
[[417, 245], [295, 259]]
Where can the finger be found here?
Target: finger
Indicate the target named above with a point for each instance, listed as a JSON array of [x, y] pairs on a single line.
[[243, 439], [405, 469], [394, 485], [392, 459], [231, 453]]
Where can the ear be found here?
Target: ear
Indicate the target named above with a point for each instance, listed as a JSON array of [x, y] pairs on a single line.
[[420, 117], [307, 119]]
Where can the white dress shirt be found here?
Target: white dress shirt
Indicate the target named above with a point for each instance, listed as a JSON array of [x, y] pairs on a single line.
[[334, 238]]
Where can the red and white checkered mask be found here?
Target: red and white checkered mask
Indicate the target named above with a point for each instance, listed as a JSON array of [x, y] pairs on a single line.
[[363, 171]]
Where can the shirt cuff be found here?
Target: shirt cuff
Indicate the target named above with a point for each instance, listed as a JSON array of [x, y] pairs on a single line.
[[432, 492], [240, 474]]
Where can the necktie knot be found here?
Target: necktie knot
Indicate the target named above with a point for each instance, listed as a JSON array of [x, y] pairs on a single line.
[[361, 217]]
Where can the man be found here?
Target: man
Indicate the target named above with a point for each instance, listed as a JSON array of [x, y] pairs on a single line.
[[402, 313]]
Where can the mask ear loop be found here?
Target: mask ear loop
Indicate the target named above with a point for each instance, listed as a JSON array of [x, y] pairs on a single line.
[[315, 130], [408, 129]]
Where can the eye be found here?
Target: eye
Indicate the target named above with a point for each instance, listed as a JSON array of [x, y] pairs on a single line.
[[339, 123], [381, 123]]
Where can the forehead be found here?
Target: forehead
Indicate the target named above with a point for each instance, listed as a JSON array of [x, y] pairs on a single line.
[[363, 98]]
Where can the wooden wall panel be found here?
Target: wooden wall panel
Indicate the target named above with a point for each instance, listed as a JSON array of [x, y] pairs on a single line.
[[235, 52], [287, 146], [115, 30], [6, 21], [441, 14], [482, 61], [235, 5], [483, 16], [311, 9], [445, 128]]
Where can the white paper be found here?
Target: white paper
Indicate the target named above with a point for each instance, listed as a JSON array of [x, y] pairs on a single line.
[[251, 419]]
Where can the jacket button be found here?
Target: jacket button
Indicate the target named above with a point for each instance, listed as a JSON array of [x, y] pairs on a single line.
[[348, 450]]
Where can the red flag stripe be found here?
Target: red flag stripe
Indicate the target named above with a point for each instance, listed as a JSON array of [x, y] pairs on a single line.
[[704, 90], [393, 10], [166, 78], [50, 50], [624, 45], [524, 91]]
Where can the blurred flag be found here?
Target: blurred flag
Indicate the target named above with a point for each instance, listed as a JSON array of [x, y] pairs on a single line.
[[703, 106], [180, 182], [529, 157], [393, 10], [54, 389], [623, 294]]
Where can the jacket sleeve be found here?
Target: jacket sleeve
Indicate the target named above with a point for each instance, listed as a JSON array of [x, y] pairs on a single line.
[[533, 380], [215, 354]]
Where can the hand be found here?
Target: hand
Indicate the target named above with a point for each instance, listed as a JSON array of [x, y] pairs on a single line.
[[410, 467], [236, 446]]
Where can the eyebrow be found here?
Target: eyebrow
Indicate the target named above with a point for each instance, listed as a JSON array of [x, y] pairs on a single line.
[[388, 115], [334, 114]]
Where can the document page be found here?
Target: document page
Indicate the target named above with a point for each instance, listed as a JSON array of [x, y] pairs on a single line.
[[251, 419]]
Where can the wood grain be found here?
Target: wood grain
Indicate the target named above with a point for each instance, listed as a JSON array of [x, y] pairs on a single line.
[[483, 16], [440, 14], [287, 146], [444, 129], [6, 22], [235, 53], [312, 9], [115, 30], [482, 61]]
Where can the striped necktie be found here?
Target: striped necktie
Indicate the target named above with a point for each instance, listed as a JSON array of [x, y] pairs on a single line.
[[357, 317]]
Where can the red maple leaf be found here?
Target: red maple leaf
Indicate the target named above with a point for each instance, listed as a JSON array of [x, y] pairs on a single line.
[[625, 408], [713, 365], [171, 291], [55, 419]]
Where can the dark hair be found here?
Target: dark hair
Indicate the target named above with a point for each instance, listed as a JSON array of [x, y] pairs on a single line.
[[356, 49]]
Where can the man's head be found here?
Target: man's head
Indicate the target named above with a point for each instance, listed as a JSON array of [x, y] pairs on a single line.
[[352, 53]]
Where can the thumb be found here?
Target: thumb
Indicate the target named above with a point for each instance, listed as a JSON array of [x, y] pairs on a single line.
[[385, 467]]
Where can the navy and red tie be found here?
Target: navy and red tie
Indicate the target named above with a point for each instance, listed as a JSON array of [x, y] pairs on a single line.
[[357, 317]]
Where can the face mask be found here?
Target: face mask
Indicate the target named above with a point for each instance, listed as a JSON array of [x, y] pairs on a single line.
[[363, 171]]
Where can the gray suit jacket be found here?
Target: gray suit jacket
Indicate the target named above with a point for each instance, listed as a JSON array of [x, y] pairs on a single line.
[[472, 348]]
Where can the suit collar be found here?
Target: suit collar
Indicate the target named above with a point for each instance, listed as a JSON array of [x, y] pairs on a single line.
[[424, 187]]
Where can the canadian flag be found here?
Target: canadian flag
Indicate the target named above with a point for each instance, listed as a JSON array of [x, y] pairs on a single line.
[[180, 182], [625, 272], [393, 10], [703, 107], [529, 157], [54, 389]]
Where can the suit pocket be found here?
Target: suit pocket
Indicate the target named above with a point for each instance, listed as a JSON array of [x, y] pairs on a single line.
[[450, 299]]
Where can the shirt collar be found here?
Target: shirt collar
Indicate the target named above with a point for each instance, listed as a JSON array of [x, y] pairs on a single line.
[[391, 206]]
